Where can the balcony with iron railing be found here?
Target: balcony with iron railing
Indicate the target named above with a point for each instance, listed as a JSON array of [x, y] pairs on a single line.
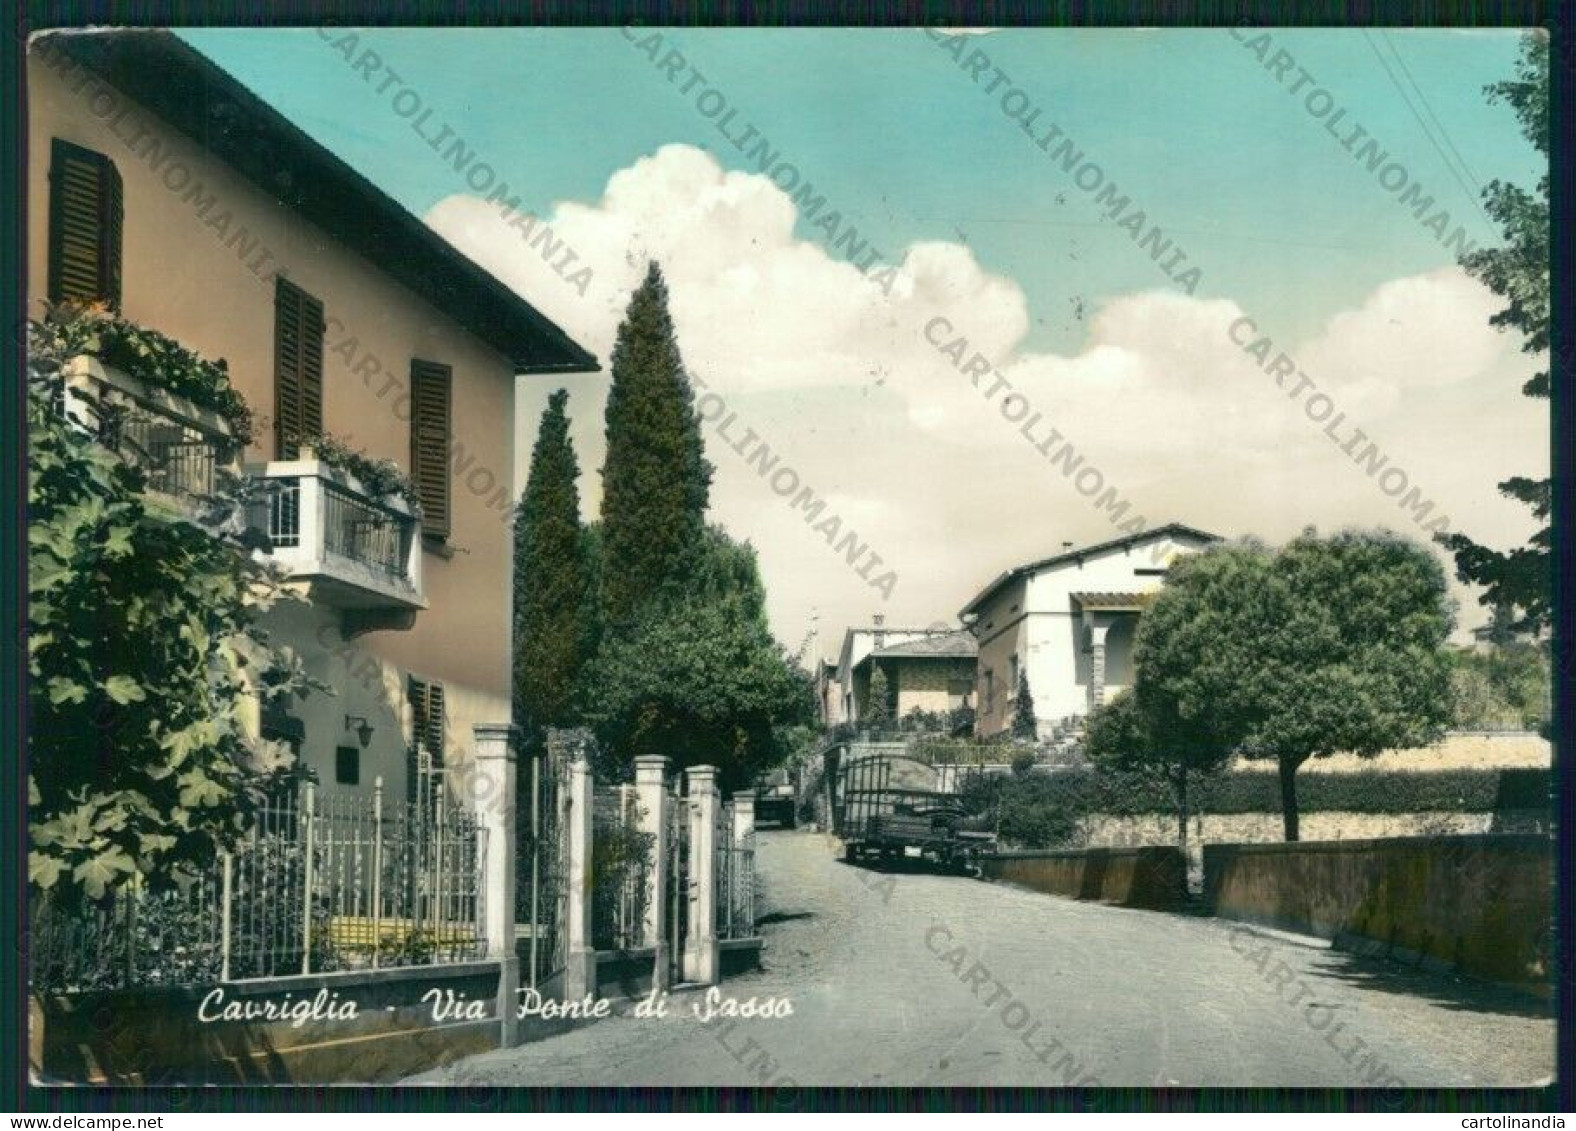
[[180, 448], [352, 549]]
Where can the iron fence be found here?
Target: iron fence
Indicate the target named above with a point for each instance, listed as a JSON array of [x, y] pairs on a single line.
[[735, 872], [320, 882], [541, 894], [177, 458], [365, 532], [620, 869]]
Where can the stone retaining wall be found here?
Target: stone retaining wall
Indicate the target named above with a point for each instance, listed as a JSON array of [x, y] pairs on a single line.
[[1153, 877], [1482, 905]]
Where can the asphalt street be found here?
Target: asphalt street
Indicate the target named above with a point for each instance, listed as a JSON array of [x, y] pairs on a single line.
[[912, 977]]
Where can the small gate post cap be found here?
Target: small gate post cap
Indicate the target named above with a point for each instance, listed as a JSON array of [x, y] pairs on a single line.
[[744, 795], [496, 742], [701, 773], [651, 767]]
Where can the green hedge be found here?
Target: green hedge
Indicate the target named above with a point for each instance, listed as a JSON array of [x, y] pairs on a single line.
[[1258, 791]]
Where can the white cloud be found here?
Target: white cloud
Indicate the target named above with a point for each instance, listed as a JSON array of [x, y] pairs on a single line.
[[841, 380]]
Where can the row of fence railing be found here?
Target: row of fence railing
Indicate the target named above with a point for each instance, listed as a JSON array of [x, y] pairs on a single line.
[[326, 882], [320, 883]]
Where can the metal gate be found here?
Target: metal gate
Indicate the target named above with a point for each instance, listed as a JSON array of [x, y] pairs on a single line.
[[735, 878], [678, 893], [543, 895]]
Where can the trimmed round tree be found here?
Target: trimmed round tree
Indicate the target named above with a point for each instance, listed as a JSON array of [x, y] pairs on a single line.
[[1330, 645]]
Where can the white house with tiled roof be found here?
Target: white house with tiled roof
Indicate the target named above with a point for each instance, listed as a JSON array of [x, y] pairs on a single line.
[[1067, 621]]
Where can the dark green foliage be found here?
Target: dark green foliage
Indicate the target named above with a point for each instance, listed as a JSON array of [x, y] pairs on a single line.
[[143, 661], [1024, 725], [878, 700], [1519, 273], [1032, 810], [1327, 645], [1504, 688], [1060, 801], [686, 666], [1144, 732], [656, 481], [150, 357], [620, 855], [553, 597], [382, 477], [696, 676]]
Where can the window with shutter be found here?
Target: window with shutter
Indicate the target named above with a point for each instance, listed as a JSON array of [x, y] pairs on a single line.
[[86, 216], [424, 762], [430, 394], [298, 368]]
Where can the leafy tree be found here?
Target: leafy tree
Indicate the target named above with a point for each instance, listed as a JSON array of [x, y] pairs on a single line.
[[656, 480], [878, 699], [1329, 645], [553, 614], [1519, 273], [1142, 731], [697, 676], [1024, 725], [1506, 686], [145, 661]]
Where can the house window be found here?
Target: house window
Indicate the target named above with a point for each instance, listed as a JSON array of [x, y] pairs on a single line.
[[958, 692], [424, 758], [298, 368], [988, 692], [431, 394], [347, 765], [86, 215], [1012, 686]]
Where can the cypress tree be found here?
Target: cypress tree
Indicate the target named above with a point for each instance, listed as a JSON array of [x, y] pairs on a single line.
[[878, 714], [1023, 721], [552, 590], [656, 481]]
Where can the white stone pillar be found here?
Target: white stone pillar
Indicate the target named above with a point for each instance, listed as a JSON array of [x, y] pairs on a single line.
[[702, 955], [743, 816], [651, 794], [492, 799], [580, 956]]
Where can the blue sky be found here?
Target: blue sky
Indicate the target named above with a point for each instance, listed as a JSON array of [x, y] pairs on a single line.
[[1188, 122], [847, 386]]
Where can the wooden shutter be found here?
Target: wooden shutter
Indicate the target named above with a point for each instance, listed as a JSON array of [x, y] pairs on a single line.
[[298, 368], [424, 766], [86, 218], [431, 400]]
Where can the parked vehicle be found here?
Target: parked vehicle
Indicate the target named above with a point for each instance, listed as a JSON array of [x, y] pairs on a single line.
[[889, 805], [776, 801]]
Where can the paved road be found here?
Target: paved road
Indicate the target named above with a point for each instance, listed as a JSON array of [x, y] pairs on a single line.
[[922, 979]]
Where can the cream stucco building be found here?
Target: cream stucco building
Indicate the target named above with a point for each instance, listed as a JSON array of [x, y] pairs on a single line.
[[160, 186], [926, 669], [1067, 622]]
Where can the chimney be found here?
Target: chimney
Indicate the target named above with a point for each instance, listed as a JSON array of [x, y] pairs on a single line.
[[880, 637]]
